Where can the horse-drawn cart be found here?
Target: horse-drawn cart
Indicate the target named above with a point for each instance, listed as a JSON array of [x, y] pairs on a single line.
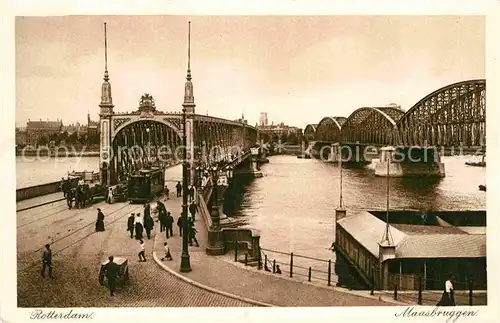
[[85, 190]]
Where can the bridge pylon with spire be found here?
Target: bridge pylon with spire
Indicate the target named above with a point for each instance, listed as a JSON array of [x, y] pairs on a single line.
[[132, 140]]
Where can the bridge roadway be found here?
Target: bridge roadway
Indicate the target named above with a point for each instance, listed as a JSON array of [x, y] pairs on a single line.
[[77, 252]]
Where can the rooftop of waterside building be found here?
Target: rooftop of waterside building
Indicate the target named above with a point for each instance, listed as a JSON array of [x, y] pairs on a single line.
[[421, 234]]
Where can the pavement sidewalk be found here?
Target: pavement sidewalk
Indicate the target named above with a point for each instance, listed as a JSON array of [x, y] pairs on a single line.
[[222, 274]]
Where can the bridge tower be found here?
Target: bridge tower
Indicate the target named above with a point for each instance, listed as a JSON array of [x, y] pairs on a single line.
[[105, 115], [189, 107]]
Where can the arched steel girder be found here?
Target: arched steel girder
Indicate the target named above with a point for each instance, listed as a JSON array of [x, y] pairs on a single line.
[[371, 126], [142, 141], [454, 115], [214, 140], [310, 131], [328, 129]]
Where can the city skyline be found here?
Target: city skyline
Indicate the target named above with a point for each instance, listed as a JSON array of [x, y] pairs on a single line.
[[311, 66]]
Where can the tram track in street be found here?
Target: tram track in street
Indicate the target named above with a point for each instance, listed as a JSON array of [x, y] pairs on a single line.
[[59, 210], [58, 240]]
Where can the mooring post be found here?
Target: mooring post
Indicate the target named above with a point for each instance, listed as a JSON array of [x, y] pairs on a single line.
[[291, 264], [235, 250], [260, 260], [274, 266], [396, 291], [470, 292], [329, 272], [309, 276], [246, 259], [419, 290]]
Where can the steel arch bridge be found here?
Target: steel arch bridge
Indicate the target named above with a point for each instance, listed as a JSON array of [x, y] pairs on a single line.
[[452, 116], [148, 135], [328, 129]]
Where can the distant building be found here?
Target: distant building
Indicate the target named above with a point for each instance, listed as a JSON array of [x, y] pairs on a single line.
[[263, 119], [36, 129], [280, 130], [20, 137], [92, 126]]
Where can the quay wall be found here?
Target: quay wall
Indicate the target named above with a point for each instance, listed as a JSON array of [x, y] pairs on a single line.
[[38, 190]]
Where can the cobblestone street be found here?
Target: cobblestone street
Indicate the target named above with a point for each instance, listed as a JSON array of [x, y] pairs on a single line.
[[77, 258]]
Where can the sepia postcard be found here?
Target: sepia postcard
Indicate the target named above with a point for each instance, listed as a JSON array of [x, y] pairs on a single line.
[[181, 162]]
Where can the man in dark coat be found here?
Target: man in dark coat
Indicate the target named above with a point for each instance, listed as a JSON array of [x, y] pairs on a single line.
[[192, 234], [179, 224], [179, 189], [192, 210], [111, 270], [99, 225], [130, 225], [191, 192], [147, 211], [47, 260], [148, 225], [161, 215], [169, 223]]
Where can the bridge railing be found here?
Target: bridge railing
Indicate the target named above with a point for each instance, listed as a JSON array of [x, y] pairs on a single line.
[[405, 288]]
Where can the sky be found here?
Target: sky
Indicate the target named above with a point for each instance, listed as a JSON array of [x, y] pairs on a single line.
[[298, 69]]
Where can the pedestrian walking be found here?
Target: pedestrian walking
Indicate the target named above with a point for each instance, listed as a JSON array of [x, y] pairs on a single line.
[[191, 193], [130, 225], [142, 251], [192, 211], [47, 260], [192, 235], [147, 211], [99, 225], [167, 252], [167, 192], [148, 225], [161, 215], [111, 270], [448, 297], [179, 224], [138, 227], [169, 223], [179, 189]]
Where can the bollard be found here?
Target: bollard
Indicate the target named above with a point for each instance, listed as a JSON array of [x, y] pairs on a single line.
[[236, 251], [260, 260], [470, 292], [274, 266], [420, 291], [396, 291], [291, 264], [246, 259], [309, 278], [265, 261], [329, 272]]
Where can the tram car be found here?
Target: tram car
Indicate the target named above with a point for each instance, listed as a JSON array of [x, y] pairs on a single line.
[[145, 184]]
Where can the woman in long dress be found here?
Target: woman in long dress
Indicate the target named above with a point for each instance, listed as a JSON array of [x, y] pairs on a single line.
[[99, 225], [448, 297], [138, 227]]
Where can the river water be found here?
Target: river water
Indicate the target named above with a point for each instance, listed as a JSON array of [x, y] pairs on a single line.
[[293, 205]]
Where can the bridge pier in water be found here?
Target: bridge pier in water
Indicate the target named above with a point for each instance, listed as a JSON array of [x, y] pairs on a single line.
[[409, 162]]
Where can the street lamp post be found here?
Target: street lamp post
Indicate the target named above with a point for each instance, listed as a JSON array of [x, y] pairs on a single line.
[[215, 237], [185, 262]]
